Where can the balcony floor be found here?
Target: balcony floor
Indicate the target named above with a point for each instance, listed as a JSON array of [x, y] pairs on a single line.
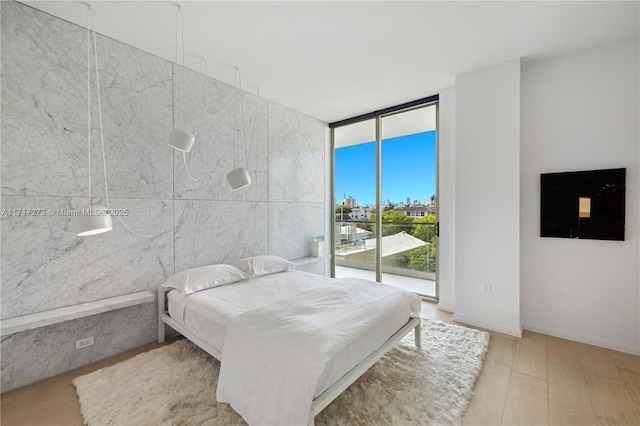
[[416, 285]]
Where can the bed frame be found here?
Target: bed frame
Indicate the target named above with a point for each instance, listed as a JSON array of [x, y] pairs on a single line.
[[321, 401]]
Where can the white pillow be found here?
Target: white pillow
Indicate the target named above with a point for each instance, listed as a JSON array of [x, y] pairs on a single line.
[[205, 277], [256, 266]]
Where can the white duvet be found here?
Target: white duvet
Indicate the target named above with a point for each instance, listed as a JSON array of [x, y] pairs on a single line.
[[273, 355]]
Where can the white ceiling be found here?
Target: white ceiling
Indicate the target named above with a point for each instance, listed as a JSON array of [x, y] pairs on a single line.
[[334, 60]]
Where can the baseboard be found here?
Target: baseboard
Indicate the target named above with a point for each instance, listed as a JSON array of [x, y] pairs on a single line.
[[442, 307], [620, 347], [492, 327]]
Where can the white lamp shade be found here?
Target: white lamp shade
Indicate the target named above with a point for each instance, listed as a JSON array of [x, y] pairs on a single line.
[[238, 178], [92, 220], [181, 140]]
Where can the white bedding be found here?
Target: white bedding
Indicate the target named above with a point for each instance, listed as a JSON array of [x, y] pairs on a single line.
[[243, 321]]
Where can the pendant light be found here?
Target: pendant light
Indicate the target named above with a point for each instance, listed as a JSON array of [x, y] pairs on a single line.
[[239, 177], [180, 139], [91, 220]]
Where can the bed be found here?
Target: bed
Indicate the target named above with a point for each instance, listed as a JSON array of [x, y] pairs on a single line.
[[289, 341]]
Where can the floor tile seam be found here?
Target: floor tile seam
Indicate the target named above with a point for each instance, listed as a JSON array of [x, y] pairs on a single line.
[[586, 386], [506, 396]]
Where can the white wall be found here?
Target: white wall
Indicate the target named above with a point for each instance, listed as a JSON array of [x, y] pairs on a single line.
[[580, 112], [487, 204], [447, 200]]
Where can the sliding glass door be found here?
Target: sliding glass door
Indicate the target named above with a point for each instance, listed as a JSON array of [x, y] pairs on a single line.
[[386, 199], [355, 200], [409, 213]]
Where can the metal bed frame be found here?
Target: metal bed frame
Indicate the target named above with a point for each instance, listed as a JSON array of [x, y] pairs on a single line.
[[321, 401]]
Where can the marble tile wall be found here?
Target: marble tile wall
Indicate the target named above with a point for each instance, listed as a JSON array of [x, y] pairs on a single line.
[[44, 166]]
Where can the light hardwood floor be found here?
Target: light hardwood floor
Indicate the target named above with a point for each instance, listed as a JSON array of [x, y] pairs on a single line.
[[535, 380]]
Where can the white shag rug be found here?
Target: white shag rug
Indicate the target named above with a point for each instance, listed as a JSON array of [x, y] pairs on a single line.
[[176, 385]]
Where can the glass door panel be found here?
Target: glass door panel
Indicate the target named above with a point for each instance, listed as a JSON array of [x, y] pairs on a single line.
[[409, 215], [355, 200]]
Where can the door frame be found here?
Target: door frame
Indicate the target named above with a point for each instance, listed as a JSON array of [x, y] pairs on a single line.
[[378, 116]]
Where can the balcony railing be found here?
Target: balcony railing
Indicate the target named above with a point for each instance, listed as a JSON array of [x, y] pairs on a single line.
[[408, 247]]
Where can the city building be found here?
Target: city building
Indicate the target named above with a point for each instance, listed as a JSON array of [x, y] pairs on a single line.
[[361, 213], [417, 211], [349, 202]]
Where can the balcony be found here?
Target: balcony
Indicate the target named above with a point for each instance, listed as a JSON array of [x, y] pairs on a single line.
[[421, 286], [408, 253]]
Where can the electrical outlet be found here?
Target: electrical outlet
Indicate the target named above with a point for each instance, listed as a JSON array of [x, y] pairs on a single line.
[[83, 343], [486, 288]]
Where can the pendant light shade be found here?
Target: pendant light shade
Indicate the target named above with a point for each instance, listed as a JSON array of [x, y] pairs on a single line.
[[238, 178], [92, 220], [181, 140]]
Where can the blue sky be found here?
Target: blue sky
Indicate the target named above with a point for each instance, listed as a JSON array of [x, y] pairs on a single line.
[[408, 169]]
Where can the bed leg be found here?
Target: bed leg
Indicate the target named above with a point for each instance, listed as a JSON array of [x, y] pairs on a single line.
[[161, 330], [417, 334]]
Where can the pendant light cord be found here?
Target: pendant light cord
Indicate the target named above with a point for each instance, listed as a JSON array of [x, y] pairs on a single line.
[[255, 133], [184, 160], [104, 161], [235, 113], [238, 85], [204, 73], [244, 133], [179, 14], [182, 71], [255, 218], [89, 20], [179, 23]]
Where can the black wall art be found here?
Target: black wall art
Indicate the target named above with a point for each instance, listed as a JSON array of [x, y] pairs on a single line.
[[587, 204]]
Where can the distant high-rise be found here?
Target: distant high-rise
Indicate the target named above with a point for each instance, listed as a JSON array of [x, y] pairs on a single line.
[[349, 202], [408, 201]]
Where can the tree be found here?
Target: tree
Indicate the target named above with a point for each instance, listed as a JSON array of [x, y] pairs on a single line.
[[425, 228], [417, 258], [394, 228], [424, 258]]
